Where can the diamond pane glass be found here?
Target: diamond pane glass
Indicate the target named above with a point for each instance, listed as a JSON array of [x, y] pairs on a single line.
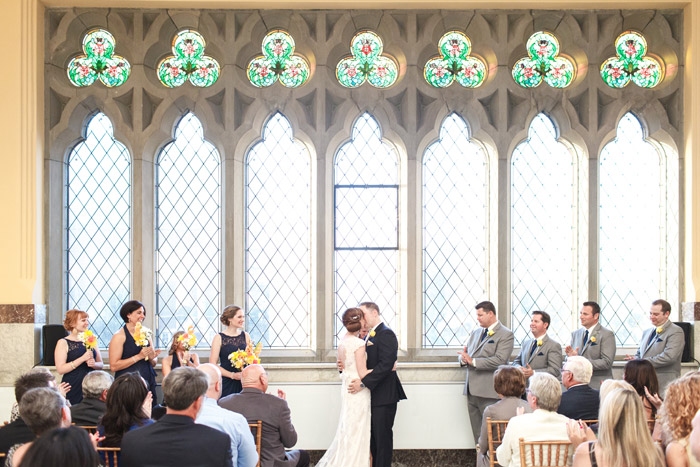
[[632, 231], [278, 230], [543, 244], [366, 218], [98, 218], [188, 252], [455, 235]]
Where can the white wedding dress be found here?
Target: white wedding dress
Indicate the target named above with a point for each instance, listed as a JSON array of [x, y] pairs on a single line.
[[350, 447]]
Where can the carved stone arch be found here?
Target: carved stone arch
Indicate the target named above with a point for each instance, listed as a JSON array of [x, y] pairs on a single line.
[[71, 130], [522, 135], [565, 131], [651, 129]]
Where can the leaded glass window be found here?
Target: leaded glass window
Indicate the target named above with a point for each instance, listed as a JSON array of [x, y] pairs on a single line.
[[638, 230], [455, 234], [278, 229], [366, 173], [545, 226], [188, 235], [98, 227]]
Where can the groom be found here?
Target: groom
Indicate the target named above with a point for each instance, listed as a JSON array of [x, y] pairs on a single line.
[[383, 382]]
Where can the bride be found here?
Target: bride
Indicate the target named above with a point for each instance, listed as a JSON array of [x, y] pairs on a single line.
[[350, 447]]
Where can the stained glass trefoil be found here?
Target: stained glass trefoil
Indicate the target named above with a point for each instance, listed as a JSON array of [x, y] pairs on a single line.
[[455, 63], [631, 63], [188, 62], [278, 61], [367, 63], [543, 63], [98, 62]]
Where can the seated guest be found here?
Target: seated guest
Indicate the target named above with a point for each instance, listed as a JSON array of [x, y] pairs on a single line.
[[608, 386], [95, 386], [623, 435], [62, 447], [176, 439], [43, 409], [580, 401], [682, 400], [128, 407], [233, 424], [543, 424], [642, 376], [178, 356], [695, 436], [509, 383], [63, 388], [17, 431], [277, 432]]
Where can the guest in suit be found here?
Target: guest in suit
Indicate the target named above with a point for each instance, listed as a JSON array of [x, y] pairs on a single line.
[[662, 345], [580, 401], [595, 343], [61, 447], [509, 384], [277, 432], [95, 387], [540, 353], [176, 439], [244, 453], [489, 346], [543, 423], [383, 382]]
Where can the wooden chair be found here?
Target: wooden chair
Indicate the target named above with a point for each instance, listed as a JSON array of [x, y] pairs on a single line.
[[89, 428], [256, 429], [495, 430], [544, 453], [2, 456], [588, 423], [110, 456]]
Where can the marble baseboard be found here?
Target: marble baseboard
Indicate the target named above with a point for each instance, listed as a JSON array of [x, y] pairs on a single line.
[[423, 458], [690, 311], [23, 314]]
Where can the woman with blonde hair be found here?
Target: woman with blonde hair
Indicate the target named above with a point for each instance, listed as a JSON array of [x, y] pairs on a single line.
[[178, 356], [623, 435], [681, 403]]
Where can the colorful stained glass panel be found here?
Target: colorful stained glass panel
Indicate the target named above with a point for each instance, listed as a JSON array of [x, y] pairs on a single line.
[[543, 62], [278, 61], [98, 62], [631, 63], [367, 63], [188, 62], [454, 63]]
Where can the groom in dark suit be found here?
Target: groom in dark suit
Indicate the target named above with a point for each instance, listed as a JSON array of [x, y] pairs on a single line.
[[383, 382]]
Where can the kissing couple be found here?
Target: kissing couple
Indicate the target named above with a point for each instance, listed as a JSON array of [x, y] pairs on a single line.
[[370, 391]]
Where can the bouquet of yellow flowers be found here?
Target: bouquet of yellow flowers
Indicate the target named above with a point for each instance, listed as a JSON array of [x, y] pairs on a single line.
[[250, 356], [89, 339], [142, 335], [188, 339]]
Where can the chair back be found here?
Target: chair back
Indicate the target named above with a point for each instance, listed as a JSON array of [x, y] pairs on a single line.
[[544, 453], [256, 429], [89, 428], [110, 456], [2, 456], [588, 423], [495, 430]]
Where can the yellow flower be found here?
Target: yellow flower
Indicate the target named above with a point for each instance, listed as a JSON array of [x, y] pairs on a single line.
[[593, 339], [372, 333], [539, 342], [659, 330], [490, 333]]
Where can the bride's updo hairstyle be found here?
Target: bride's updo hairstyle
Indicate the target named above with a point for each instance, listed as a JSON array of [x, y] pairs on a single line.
[[352, 319]]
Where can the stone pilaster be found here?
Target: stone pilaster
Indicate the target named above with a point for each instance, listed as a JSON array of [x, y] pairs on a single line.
[[20, 328]]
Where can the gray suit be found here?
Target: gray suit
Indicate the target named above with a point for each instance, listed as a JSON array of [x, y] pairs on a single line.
[[501, 410], [599, 350], [546, 358], [277, 432], [488, 354], [664, 352]]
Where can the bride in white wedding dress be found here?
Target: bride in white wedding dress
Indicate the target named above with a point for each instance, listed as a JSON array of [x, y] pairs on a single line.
[[350, 447]]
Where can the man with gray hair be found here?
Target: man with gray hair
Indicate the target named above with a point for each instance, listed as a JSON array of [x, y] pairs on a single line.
[[580, 401], [231, 423], [175, 439], [543, 424], [92, 407]]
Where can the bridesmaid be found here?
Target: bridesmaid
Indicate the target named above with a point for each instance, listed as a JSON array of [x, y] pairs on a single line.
[[73, 360], [178, 356], [233, 338], [127, 357]]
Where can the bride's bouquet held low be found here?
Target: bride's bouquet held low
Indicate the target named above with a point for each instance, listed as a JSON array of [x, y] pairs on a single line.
[[249, 356]]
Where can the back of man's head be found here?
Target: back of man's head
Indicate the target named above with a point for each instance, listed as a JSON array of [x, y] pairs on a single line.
[[43, 409], [183, 386], [251, 377], [32, 379], [546, 389], [581, 369], [96, 383], [214, 375]]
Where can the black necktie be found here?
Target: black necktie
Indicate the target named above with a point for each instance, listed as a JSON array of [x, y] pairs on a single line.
[[585, 337], [651, 338], [483, 334], [534, 347]]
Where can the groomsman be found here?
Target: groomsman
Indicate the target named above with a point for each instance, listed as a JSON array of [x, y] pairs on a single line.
[[489, 346], [595, 343], [662, 345], [540, 353]]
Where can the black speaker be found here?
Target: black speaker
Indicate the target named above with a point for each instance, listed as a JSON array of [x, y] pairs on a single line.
[[688, 349], [50, 335]]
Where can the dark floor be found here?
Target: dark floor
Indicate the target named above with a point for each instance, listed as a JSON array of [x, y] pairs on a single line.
[[424, 458]]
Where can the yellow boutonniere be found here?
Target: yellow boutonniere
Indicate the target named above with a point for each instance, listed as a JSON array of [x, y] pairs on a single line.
[[593, 339], [659, 330], [490, 333], [372, 333], [539, 342]]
